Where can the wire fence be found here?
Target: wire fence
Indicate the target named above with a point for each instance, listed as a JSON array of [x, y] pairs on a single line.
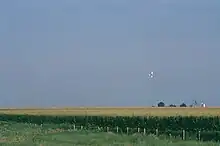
[[180, 134]]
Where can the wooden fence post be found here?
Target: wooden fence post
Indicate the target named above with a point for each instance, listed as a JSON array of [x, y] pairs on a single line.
[[74, 127], [184, 135], [157, 133]]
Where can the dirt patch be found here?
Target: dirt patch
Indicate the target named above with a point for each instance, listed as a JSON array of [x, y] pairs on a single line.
[[55, 130], [3, 139]]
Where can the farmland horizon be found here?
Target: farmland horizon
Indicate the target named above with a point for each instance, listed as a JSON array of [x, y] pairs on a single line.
[[114, 111], [106, 107]]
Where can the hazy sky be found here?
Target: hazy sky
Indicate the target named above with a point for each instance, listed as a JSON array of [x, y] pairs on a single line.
[[99, 52]]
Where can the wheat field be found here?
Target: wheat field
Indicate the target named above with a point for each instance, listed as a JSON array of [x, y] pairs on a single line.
[[117, 111]]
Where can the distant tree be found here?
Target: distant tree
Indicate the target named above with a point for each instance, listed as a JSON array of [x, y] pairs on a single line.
[[183, 105], [195, 103], [172, 105], [161, 104]]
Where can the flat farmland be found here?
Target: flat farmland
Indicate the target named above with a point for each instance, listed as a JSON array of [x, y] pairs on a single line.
[[116, 111]]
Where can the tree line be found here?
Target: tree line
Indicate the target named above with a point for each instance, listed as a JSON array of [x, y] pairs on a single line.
[[162, 104]]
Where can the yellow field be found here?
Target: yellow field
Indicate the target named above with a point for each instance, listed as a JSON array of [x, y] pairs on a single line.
[[117, 111]]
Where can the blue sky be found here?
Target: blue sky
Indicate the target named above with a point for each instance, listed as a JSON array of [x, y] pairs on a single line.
[[99, 53]]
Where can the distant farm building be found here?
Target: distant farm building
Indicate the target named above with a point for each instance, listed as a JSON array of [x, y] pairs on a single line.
[[203, 105]]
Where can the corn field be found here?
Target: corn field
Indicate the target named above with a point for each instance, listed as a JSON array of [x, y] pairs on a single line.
[[172, 123], [124, 120]]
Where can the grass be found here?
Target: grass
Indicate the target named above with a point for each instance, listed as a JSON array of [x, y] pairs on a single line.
[[117, 111], [50, 135]]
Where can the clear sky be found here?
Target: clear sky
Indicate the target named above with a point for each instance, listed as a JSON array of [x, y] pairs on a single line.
[[99, 52]]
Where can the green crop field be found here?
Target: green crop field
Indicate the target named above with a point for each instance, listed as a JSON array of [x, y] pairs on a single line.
[[117, 111], [110, 125], [24, 134]]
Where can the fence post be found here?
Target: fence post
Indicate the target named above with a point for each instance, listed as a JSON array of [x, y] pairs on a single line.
[[117, 129], [184, 135], [157, 133], [107, 129], [199, 136], [74, 127], [127, 130], [138, 130], [144, 131]]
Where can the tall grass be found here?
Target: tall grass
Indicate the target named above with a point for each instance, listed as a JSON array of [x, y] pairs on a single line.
[[23, 134]]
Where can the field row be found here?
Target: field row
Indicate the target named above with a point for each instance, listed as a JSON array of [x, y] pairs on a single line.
[[192, 125], [117, 111]]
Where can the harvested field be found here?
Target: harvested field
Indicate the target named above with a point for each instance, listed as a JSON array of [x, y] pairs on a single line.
[[117, 111]]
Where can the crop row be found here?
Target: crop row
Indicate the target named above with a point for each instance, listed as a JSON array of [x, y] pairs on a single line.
[[174, 123]]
